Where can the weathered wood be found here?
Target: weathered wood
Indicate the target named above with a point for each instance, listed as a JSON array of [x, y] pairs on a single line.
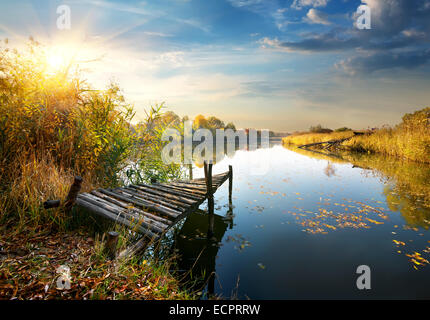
[[117, 218], [140, 203], [136, 248], [196, 192], [175, 192], [134, 220], [133, 194], [73, 193], [51, 204], [111, 244], [131, 208], [159, 199], [208, 177], [190, 171], [165, 194], [153, 209], [154, 225], [330, 143], [190, 186], [230, 182]]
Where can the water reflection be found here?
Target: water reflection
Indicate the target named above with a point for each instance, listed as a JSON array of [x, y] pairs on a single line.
[[197, 251], [407, 184], [311, 223]]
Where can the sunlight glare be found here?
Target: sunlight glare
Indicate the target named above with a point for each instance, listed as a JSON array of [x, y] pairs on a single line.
[[60, 57]]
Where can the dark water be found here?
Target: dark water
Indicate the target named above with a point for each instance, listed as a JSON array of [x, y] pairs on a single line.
[[302, 223]]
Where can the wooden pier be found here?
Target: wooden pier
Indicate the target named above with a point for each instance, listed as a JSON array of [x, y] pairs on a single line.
[[152, 209]]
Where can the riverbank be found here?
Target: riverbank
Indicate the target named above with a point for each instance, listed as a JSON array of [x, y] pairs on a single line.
[[54, 126], [30, 260], [408, 140]]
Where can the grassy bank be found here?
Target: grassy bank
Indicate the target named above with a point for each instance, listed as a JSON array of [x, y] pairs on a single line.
[[53, 126], [408, 140], [308, 137]]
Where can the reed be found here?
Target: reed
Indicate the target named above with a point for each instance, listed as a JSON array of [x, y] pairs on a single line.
[[54, 126], [409, 140], [307, 138]]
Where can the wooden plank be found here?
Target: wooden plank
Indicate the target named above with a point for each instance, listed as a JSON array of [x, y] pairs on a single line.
[[170, 213], [136, 219], [196, 192], [134, 209], [117, 218], [135, 194], [174, 192], [164, 194], [159, 200], [189, 186], [132, 215], [127, 196]]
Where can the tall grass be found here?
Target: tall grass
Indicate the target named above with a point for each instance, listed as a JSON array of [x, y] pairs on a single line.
[[308, 138], [53, 125], [408, 140]]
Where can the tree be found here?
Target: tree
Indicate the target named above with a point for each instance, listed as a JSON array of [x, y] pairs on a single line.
[[215, 123], [200, 122], [319, 129], [230, 125]]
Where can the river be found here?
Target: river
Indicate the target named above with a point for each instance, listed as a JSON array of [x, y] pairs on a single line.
[[301, 224]]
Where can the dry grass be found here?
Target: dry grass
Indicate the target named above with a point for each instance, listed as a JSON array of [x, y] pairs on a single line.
[[29, 261], [408, 140], [307, 138], [405, 143]]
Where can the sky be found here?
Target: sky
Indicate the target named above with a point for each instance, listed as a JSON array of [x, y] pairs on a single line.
[[282, 65]]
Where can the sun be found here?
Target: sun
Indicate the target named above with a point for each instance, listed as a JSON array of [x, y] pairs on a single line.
[[55, 61], [59, 58]]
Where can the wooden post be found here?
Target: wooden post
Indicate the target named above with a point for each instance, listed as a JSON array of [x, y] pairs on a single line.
[[190, 170], [111, 244], [208, 178], [230, 184], [51, 204], [73, 193], [153, 180]]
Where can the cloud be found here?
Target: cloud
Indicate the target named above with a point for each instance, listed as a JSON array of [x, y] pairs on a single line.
[[299, 4], [315, 16], [266, 8], [244, 3], [368, 64], [400, 33], [318, 43]]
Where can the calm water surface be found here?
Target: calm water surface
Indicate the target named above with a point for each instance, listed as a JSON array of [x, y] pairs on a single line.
[[301, 225]]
